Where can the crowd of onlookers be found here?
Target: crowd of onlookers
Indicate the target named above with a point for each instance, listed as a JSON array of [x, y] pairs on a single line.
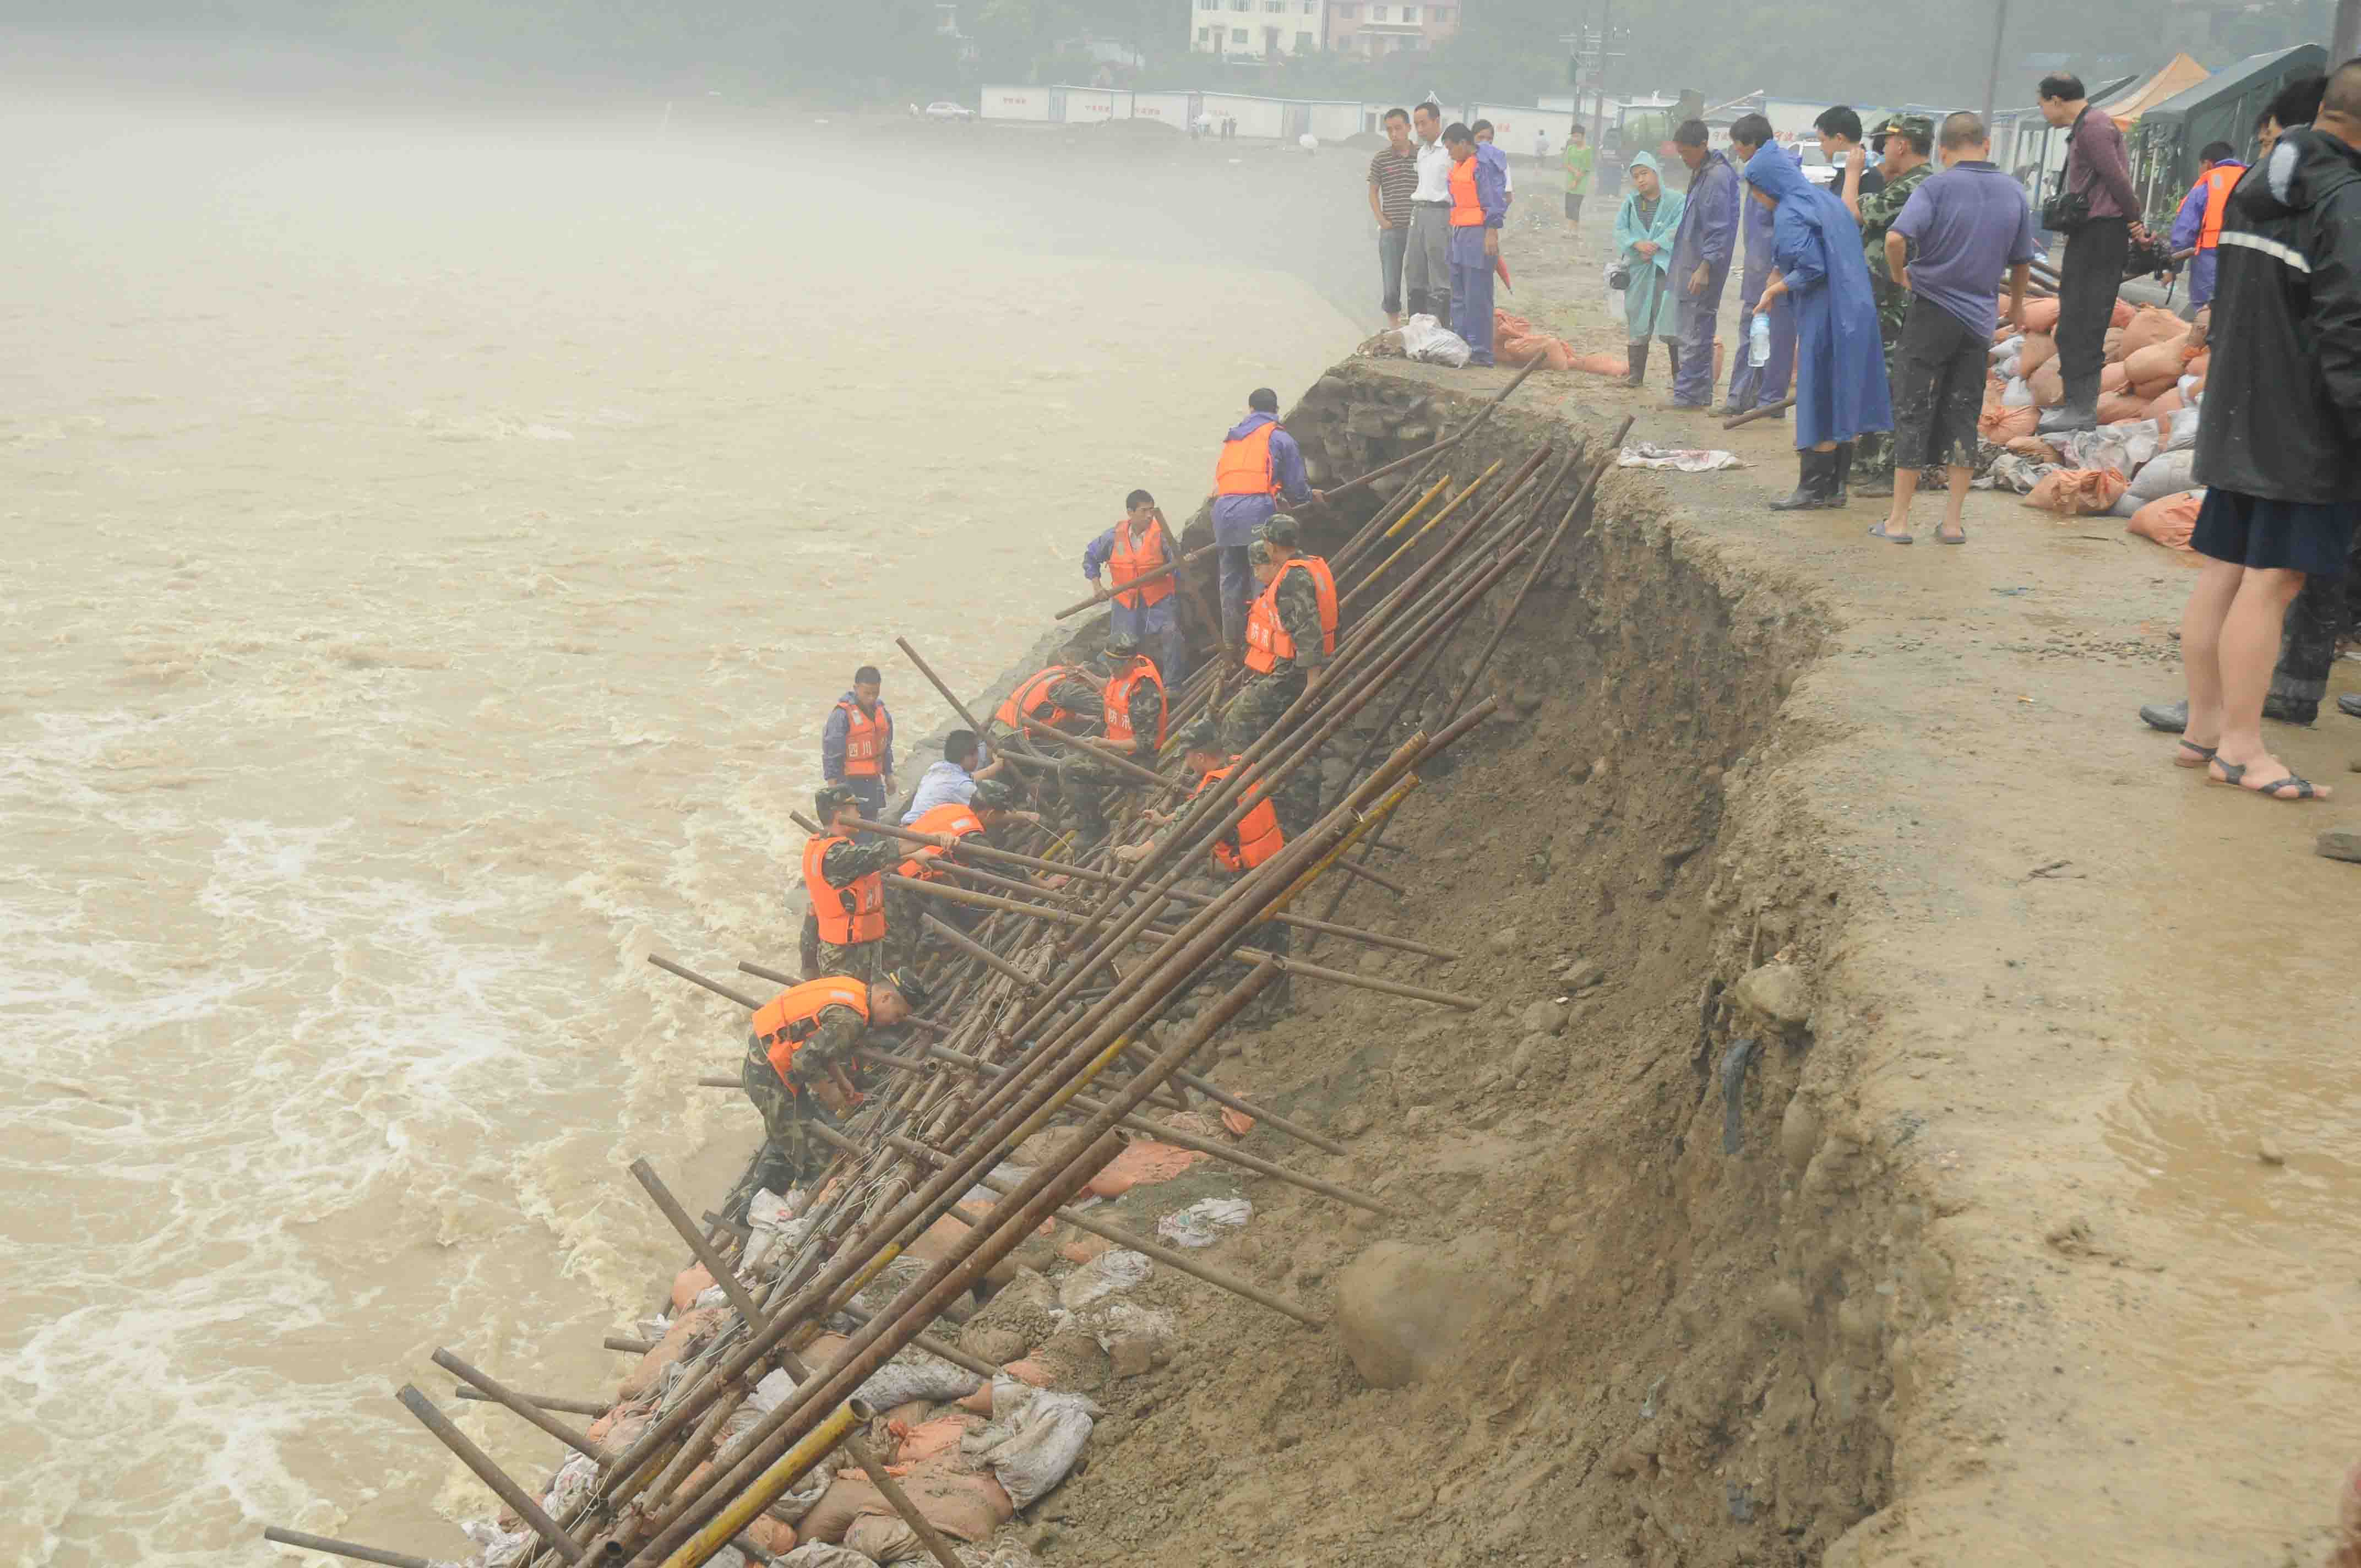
[[1869, 307]]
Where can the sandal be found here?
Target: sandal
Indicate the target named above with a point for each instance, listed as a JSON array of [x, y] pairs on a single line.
[[2204, 754], [1877, 531], [2235, 774], [1943, 538]]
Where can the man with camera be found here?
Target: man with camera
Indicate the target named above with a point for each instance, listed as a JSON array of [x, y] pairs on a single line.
[[2098, 211]]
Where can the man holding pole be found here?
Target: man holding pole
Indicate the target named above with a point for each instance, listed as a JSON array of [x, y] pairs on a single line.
[[845, 881], [797, 1056], [905, 930], [856, 746], [1290, 636], [1131, 704], [1139, 544], [1260, 465]]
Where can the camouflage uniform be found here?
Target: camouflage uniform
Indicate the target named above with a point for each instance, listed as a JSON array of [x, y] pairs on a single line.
[[843, 864], [1873, 454], [790, 1157], [1266, 697], [1092, 779]]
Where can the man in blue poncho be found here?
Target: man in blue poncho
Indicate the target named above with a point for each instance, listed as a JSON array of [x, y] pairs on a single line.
[[1841, 389], [1701, 254]]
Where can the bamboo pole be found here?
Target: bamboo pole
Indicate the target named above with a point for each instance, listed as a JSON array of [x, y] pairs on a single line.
[[546, 1402], [1396, 466], [964, 943], [1750, 415], [522, 1404], [1103, 595], [518, 1500], [354, 1549], [765, 1489], [633, 1346]]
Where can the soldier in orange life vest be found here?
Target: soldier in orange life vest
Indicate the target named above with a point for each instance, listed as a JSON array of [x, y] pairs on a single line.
[[845, 881], [1132, 709], [856, 746], [905, 928], [798, 1057], [1260, 466], [1139, 544], [1290, 633]]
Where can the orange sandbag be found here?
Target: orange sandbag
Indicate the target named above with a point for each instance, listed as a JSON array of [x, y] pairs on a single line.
[[2112, 346], [2123, 314], [2048, 386], [1237, 1122], [969, 1506], [929, 1440], [2041, 316], [2033, 447], [1028, 1371], [2158, 361], [2002, 426], [1084, 1247], [2168, 518], [2114, 379], [1615, 364], [2039, 349], [980, 1402], [2077, 492], [1143, 1164], [2116, 407], [2164, 405], [777, 1536], [1514, 341], [688, 1333], [689, 1285], [2150, 325], [2199, 365]]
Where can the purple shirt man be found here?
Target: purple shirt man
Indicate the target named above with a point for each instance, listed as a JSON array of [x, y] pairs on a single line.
[[1971, 224]]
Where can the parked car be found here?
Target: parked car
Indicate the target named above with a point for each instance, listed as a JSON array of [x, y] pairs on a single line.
[[944, 109], [1817, 167]]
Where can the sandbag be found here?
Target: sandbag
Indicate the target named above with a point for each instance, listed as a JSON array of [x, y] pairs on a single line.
[[2122, 447], [2040, 348], [1514, 341], [960, 1504], [1118, 1270], [2112, 346], [1428, 340], [1616, 365], [2018, 394], [915, 1374], [2122, 316], [2116, 407], [2032, 446], [2114, 379], [821, 1554], [2076, 492], [2041, 316], [2149, 325], [689, 1285], [2164, 476], [2199, 365], [2048, 386], [2183, 435], [2164, 405], [687, 1333], [1033, 1441], [2167, 521], [2158, 362], [1142, 1164], [2003, 426]]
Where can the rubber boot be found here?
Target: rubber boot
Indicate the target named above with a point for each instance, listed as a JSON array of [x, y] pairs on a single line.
[[1673, 378], [2078, 411], [1812, 484], [1840, 475], [1638, 353]]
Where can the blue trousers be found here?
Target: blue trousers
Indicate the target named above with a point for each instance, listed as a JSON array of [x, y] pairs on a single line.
[[1694, 385], [1238, 590], [1752, 386], [1157, 627], [871, 791], [1471, 296]]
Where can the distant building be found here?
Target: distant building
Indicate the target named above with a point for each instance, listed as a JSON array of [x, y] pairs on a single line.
[[1388, 26], [1256, 29]]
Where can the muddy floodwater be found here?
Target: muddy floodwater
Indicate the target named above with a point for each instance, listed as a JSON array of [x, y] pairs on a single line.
[[432, 544]]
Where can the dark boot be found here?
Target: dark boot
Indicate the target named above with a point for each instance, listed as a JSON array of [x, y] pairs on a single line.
[[1638, 353], [2078, 411], [1840, 474], [1813, 486]]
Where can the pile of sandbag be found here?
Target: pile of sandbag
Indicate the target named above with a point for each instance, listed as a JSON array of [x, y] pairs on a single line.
[[2137, 464]]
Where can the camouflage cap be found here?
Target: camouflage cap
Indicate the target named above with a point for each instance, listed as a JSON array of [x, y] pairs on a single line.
[[1197, 735], [1920, 128], [1282, 530], [1123, 643], [1259, 553], [914, 989], [828, 801], [991, 795]]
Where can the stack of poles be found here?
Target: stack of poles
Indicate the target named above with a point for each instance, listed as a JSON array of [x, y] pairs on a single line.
[[1035, 1012]]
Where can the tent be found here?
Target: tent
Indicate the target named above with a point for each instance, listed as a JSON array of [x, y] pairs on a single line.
[[2223, 107], [2179, 75]]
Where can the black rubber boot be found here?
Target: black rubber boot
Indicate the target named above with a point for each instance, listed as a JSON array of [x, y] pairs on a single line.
[[1813, 488], [1840, 474], [2078, 411], [1638, 353]]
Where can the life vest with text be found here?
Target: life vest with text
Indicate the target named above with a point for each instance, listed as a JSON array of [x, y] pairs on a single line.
[[1266, 639], [847, 914]]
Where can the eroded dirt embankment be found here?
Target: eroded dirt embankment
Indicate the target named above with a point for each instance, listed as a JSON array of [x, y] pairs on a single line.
[[1689, 1288]]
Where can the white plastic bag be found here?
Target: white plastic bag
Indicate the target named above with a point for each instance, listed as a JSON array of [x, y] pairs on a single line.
[[2184, 430], [914, 1373], [1425, 338], [2009, 348], [2124, 448], [2018, 394], [2168, 475], [1205, 1222], [1119, 1269], [1034, 1440]]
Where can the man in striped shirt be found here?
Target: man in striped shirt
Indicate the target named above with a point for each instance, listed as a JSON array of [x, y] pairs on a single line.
[[1393, 175]]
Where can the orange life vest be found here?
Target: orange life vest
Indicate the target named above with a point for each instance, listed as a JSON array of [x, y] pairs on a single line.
[[1031, 700], [954, 816], [1266, 640], [1257, 837], [1136, 556], [866, 736], [854, 913], [1466, 207], [783, 1023], [2220, 181], [1118, 701], [1244, 468]]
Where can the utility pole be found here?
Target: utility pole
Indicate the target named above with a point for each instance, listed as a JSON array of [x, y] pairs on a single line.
[[1991, 76], [1598, 77]]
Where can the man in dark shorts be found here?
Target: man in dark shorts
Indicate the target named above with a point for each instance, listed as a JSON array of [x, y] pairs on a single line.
[[2280, 452], [1969, 224], [1393, 177]]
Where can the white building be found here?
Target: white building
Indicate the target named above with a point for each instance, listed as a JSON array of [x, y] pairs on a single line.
[[1260, 29]]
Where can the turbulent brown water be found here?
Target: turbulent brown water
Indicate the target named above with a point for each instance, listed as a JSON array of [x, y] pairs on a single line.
[[432, 546]]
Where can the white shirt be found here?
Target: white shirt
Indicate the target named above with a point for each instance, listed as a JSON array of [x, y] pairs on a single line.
[[1434, 172], [945, 783]]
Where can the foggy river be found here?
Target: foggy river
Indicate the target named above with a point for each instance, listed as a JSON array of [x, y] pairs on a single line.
[[433, 544]]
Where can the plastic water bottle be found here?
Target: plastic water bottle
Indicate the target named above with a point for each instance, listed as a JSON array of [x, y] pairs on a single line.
[[1758, 339]]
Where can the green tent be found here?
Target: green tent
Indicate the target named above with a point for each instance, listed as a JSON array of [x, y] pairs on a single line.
[[2223, 107]]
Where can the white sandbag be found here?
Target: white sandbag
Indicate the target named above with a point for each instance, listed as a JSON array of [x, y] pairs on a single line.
[[1119, 1269], [1205, 1222], [914, 1373], [883, 1538], [2184, 430], [2018, 394], [2011, 368], [2169, 475], [1030, 1447], [2126, 504], [501, 1549], [821, 1554], [2009, 348], [1141, 1330], [778, 1232], [1425, 338], [2122, 447]]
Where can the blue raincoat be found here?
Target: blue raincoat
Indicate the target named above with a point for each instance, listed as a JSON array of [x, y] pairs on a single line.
[[1649, 305], [1841, 389]]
